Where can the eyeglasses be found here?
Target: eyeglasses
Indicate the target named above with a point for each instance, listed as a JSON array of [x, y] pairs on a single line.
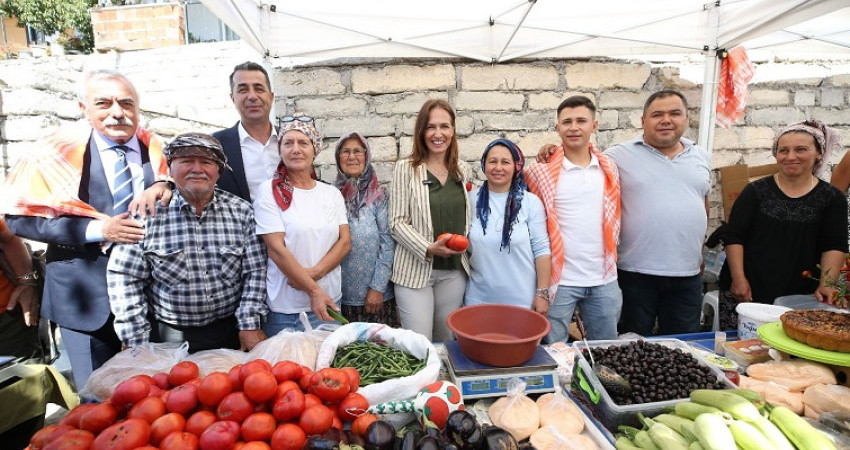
[[287, 119], [350, 152]]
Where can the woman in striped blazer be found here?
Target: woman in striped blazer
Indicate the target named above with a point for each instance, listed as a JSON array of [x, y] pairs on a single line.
[[428, 197]]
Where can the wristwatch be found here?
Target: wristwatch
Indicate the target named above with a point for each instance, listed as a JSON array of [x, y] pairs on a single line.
[[31, 276], [543, 293]]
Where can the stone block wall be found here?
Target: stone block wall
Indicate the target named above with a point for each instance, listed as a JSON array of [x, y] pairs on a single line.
[[137, 27], [186, 88]]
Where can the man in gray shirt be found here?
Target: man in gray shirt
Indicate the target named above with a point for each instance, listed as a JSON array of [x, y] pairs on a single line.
[[664, 181]]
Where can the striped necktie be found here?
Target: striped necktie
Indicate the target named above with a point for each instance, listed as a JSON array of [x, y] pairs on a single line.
[[122, 185]]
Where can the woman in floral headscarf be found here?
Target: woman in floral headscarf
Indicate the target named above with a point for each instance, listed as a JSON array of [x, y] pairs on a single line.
[[304, 226], [783, 225], [367, 294], [508, 242]]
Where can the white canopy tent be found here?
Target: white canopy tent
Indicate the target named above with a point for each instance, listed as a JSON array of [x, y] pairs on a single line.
[[501, 30]]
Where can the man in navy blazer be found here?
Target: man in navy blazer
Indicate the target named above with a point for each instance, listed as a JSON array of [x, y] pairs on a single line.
[[78, 248], [250, 144]]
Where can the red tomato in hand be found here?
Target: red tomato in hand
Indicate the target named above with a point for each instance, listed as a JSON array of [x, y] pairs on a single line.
[[125, 435], [165, 425], [213, 388], [98, 418], [316, 420], [288, 436], [182, 399], [235, 406], [219, 436], [440, 237], [332, 385], [179, 440], [458, 243], [286, 370], [353, 378], [182, 372], [259, 387], [289, 406], [147, 409], [199, 422], [258, 427], [352, 406]]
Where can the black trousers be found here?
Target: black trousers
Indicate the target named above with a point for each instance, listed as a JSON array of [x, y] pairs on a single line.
[[222, 333]]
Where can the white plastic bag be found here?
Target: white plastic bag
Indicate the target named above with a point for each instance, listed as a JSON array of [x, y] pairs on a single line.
[[414, 343], [217, 360], [301, 347], [146, 359]]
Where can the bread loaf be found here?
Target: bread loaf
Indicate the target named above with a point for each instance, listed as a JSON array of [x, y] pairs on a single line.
[[796, 375]]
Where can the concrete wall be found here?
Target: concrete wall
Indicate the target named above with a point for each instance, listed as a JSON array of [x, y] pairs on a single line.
[[185, 88]]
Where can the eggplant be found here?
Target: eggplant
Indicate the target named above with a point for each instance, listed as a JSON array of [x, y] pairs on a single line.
[[380, 436], [354, 439], [463, 430], [409, 440], [496, 438], [320, 443], [337, 435], [428, 443]]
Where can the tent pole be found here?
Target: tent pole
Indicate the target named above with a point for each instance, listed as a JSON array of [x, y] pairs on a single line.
[[708, 109]]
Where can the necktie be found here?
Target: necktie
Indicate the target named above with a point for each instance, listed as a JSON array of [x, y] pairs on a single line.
[[122, 186]]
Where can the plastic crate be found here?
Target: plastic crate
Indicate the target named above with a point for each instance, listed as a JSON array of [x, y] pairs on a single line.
[[589, 389]]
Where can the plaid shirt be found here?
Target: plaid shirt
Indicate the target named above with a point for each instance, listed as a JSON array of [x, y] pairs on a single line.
[[191, 270]]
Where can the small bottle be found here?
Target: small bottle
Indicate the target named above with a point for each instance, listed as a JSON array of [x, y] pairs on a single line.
[[719, 340]]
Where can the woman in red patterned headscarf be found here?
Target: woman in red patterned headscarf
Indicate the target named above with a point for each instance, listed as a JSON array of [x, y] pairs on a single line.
[[303, 223]]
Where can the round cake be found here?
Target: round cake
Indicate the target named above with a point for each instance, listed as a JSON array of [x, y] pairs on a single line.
[[817, 328]]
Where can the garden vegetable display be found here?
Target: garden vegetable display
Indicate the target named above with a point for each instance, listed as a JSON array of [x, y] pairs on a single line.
[[728, 419]]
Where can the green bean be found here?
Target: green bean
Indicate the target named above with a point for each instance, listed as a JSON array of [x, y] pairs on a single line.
[[376, 363]]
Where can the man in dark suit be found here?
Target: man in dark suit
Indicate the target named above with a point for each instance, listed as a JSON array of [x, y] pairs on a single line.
[[73, 194], [250, 144]]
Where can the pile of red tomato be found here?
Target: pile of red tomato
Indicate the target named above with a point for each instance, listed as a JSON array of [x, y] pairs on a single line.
[[256, 406]]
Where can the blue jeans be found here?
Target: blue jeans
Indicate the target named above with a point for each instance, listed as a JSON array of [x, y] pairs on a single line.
[[275, 322], [600, 311], [675, 301]]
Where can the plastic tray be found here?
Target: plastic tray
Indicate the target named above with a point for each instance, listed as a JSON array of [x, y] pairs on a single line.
[[587, 386], [773, 335]]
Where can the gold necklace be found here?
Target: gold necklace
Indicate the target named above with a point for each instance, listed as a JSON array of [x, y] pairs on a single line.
[[438, 173], [811, 185]]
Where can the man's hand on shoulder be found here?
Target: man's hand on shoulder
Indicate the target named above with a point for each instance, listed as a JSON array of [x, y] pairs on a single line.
[[545, 152], [147, 201], [123, 230], [248, 339]]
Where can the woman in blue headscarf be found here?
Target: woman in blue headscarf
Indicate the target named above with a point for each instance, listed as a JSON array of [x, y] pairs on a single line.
[[508, 243]]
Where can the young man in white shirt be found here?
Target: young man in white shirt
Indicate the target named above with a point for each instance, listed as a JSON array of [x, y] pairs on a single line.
[[580, 190]]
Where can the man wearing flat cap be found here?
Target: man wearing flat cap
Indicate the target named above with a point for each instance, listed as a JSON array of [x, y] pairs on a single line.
[[199, 275]]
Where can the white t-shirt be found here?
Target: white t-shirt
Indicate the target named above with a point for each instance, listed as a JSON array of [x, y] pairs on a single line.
[[578, 204], [311, 227]]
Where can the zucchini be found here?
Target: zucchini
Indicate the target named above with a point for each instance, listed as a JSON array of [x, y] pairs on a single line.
[[623, 443], [679, 424], [749, 437], [739, 407], [773, 434], [665, 437], [712, 432], [691, 410], [798, 431]]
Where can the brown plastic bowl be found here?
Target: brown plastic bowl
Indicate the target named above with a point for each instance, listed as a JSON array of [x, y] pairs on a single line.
[[498, 335]]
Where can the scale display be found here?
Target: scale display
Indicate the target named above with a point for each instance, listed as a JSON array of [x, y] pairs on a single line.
[[477, 380]]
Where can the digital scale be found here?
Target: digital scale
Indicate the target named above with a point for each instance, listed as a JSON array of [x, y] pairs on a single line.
[[478, 380]]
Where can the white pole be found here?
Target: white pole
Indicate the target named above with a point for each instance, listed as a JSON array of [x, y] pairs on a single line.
[[711, 63]]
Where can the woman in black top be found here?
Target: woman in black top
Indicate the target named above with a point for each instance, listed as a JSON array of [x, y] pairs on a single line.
[[783, 225]]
